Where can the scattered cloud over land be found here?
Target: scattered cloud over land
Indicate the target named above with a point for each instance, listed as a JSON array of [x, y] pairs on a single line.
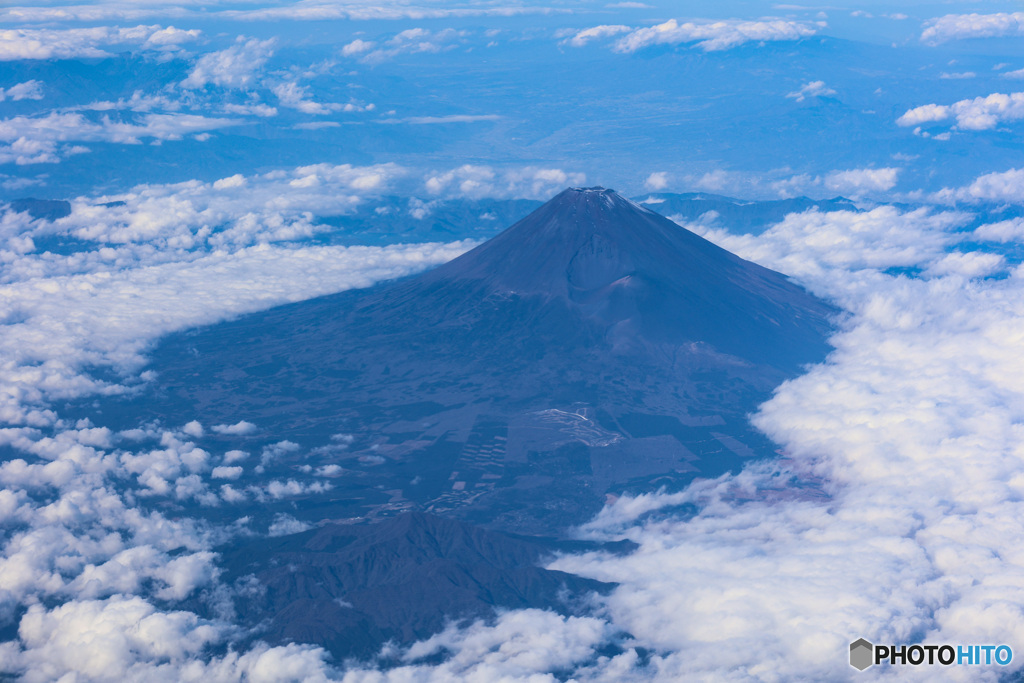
[[902, 445], [72, 321], [811, 89], [871, 438], [233, 67]]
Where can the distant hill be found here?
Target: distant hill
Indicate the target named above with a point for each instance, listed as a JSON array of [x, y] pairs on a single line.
[[50, 209], [734, 214], [353, 587]]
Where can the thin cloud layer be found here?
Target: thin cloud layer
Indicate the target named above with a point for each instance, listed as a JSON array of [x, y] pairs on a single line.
[[812, 244], [76, 43], [42, 139], [855, 183], [296, 10], [485, 181], [408, 42]]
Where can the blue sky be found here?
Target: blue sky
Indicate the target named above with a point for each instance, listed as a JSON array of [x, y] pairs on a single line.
[[771, 100], [202, 145]]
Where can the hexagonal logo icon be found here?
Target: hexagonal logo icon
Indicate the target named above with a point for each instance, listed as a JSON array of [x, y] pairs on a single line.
[[862, 654]]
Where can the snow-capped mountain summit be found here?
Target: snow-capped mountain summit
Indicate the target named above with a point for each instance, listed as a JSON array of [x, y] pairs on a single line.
[[636, 277]]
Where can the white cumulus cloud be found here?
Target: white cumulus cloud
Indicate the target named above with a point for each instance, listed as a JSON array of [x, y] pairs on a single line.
[[75, 43], [980, 113], [1001, 186], [1011, 230], [581, 38], [811, 89], [357, 47], [41, 139], [715, 35], [656, 181], [29, 90], [479, 181], [860, 181], [961, 26], [235, 67]]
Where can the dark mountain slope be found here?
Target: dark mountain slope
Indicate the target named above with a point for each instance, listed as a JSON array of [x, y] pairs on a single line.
[[351, 588], [592, 347]]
